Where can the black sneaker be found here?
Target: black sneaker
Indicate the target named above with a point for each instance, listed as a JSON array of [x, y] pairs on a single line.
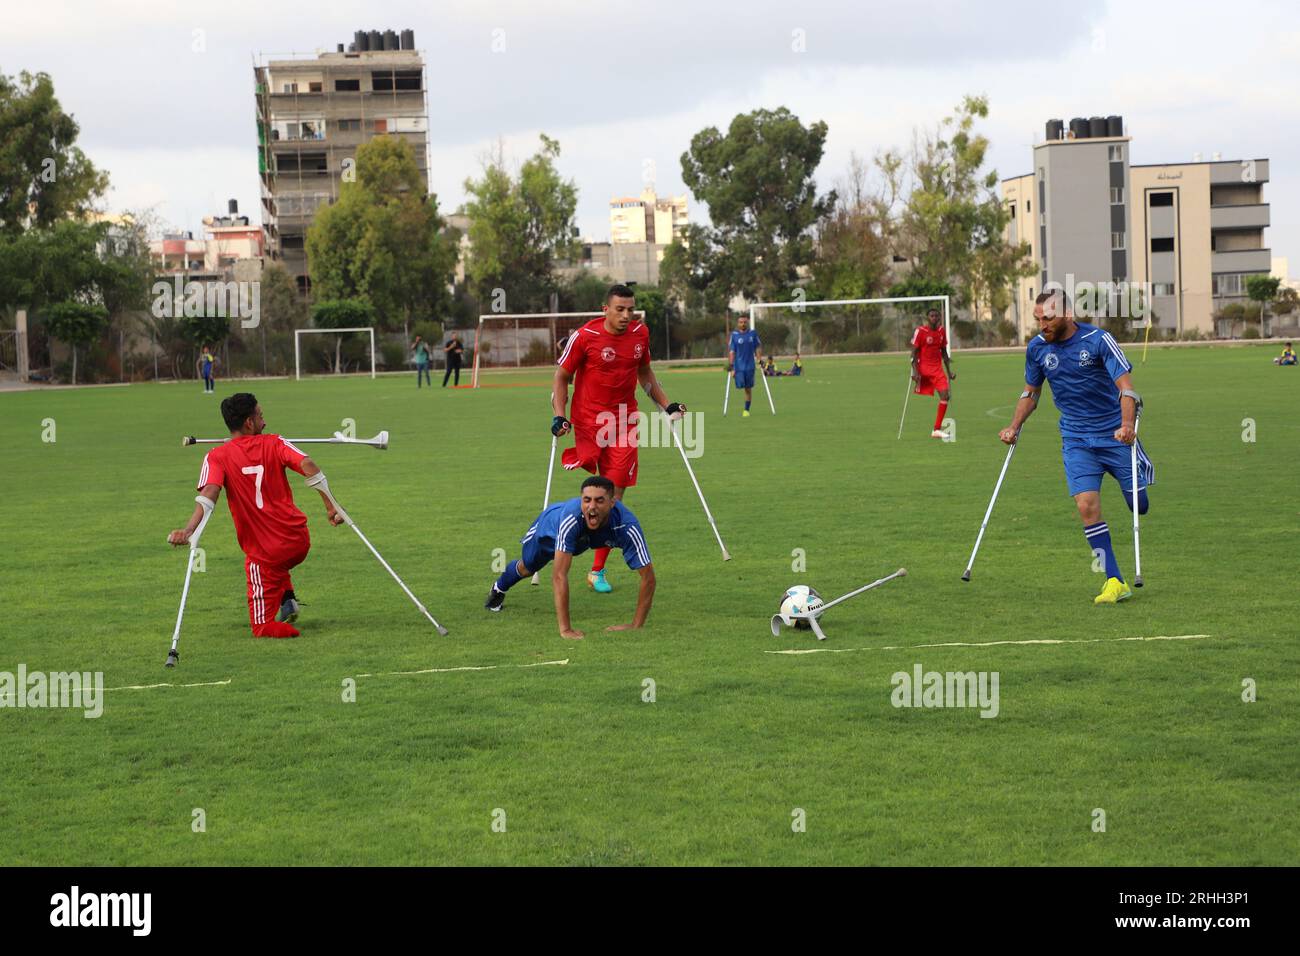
[[495, 599]]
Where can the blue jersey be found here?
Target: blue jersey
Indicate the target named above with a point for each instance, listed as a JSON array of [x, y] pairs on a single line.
[[562, 527], [1082, 370], [745, 344]]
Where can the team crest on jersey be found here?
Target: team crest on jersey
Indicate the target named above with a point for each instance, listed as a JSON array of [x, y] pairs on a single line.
[[638, 350], [607, 353], [1085, 360], [1051, 361], [929, 340]]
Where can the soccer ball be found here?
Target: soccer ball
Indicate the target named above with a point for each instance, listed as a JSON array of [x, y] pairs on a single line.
[[799, 599]]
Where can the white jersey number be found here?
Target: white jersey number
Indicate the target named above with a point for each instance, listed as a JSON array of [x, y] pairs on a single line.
[[256, 470]]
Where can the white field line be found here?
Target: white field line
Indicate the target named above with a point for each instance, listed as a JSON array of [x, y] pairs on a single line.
[[449, 670], [906, 647], [214, 683]]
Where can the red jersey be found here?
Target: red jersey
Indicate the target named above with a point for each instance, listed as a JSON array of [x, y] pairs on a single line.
[[251, 469], [604, 367], [931, 342]]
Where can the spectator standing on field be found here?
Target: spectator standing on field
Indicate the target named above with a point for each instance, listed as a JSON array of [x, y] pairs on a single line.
[[206, 362], [453, 349], [421, 350]]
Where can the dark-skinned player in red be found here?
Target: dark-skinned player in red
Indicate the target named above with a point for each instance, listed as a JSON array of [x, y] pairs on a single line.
[[606, 359], [272, 532], [929, 360]]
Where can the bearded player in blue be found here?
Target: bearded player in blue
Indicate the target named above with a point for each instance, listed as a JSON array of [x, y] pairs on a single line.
[[595, 519], [741, 353], [1093, 391]]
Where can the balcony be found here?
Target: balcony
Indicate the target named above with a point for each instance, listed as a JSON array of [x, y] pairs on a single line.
[[1242, 260], [1240, 217], [1236, 172]]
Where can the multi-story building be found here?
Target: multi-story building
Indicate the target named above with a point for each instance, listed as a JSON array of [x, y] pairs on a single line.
[[650, 218], [1184, 235], [312, 114], [230, 239]]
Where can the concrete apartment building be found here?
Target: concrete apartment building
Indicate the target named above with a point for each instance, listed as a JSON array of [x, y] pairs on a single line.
[[650, 218], [313, 111], [1193, 231]]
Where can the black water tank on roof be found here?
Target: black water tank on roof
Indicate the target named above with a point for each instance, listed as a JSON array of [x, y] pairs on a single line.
[[1097, 126], [1114, 126], [1055, 129], [408, 39], [232, 206], [376, 40], [390, 40], [1079, 127], [361, 40]]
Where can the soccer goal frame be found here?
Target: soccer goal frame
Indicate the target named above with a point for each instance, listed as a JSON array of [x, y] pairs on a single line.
[[516, 317], [798, 307], [297, 351]]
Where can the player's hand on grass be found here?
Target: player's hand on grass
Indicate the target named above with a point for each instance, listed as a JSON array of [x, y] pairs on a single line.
[[560, 426], [177, 537], [1125, 434], [572, 634], [621, 627], [1007, 436]]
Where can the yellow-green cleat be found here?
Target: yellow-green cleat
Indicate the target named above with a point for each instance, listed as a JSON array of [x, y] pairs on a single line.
[[1113, 592]]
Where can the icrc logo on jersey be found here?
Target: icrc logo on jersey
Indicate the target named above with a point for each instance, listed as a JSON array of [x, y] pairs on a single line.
[[1085, 360], [607, 353], [637, 352], [1051, 361]]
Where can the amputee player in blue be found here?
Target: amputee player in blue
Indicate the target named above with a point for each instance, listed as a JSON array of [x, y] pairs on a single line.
[[744, 347], [1093, 390], [595, 519]]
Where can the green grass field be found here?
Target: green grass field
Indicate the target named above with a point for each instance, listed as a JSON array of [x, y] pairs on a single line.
[[1155, 733]]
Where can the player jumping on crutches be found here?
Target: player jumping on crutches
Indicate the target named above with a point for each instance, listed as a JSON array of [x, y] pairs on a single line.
[[1093, 390]]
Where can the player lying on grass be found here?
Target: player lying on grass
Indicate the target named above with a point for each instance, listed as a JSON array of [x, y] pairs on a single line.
[[272, 532], [606, 359], [743, 348], [1093, 391], [929, 348], [595, 519]]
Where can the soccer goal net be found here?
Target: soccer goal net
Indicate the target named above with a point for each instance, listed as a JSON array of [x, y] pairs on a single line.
[[844, 325], [340, 350], [526, 340]]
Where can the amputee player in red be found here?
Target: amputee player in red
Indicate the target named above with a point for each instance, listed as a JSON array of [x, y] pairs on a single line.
[[606, 359], [929, 349], [272, 532]]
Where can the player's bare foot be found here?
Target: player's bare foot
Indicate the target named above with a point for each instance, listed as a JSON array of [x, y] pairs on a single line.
[[621, 627], [571, 635]]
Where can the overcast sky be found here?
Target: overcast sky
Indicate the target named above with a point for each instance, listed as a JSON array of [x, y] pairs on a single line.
[[169, 112]]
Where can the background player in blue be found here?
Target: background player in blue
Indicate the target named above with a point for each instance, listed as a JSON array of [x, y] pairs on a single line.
[[741, 352], [595, 519], [1093, 391]]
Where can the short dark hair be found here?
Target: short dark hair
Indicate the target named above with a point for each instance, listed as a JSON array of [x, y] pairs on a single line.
[[932, 312], [599, 481], [237, 409], [620, 291], [1049, 294]]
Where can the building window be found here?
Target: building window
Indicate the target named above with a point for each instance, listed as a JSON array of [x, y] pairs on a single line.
[[1042, 172], [347, 86], [348, 125], [1116, 194], [1117, 240], [1116, 154], [1162, 288], [1163, 245], [1028, 207], [314, 87], [1229, 283], [290, 88], [1162, 199]]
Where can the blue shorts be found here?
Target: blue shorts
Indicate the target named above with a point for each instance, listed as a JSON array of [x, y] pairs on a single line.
[[744, 377], [537, 554], [1087, 459]]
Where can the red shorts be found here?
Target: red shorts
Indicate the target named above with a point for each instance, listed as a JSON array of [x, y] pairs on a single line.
[[614, 461], [931, 381], [269, 579]]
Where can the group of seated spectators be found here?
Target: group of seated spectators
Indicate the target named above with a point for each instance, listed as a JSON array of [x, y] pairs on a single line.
[[770, 369]]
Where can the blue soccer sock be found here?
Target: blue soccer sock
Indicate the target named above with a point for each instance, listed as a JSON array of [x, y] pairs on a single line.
[[509, 577], [1098, 536], [746, 404]]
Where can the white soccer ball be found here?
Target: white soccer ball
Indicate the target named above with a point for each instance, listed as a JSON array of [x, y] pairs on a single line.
[[799, 599]]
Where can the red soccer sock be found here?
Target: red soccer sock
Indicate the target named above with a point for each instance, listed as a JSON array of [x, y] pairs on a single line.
[[275, 629], [599, 556], [938, 419]]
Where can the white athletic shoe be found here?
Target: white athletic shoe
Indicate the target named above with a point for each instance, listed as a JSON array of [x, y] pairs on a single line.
[[938, 433]]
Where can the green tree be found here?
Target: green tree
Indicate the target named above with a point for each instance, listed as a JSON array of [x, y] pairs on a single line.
[[853, 253], [76, 323], [519, 227], [44, 176], [384, 240], [655, 305], [757, 182], [1262, 289], [342, 314]]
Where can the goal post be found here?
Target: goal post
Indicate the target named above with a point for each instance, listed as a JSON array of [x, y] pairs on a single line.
[[828, 326], [297, 345], [525, 339]]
